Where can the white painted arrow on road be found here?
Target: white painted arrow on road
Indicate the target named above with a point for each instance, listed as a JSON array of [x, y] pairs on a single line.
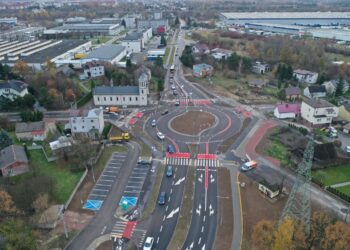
[[211, 210], [211, 178], [198, 210], [203, 248], [179, 181], [191, 246], [172, 213]]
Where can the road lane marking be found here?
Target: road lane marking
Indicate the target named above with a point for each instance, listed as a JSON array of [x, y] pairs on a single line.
[[204, 218], [161, 228], [166, 209], [199, 241], [164, 218], [171, 191], [157, 240]]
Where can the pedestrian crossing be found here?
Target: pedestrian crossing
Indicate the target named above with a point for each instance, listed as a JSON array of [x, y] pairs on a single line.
[[118, 229], [187, 101], [192, 162]]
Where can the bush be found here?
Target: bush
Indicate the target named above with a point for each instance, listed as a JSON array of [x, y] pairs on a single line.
[[85, 99], [338, 193], [106, 130]]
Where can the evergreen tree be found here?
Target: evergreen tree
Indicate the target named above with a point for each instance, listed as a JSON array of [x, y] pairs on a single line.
[[160, 85], [163, 40], [5, 139], [340, 87], [128, 63], [123, 23]]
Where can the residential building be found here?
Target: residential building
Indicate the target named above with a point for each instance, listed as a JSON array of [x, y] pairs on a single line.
[[154, 24], [200, 49], [331, 86], [221, 54], [13, 161], [8, 20], [36, 131], [133, 42], [318, 112], [344, 111], [292, 93], [112, 53], [305, 76], [286, 110], [202, 70], [92, 70], [125, 95], [131, 21], [261, 68], [90, 125], [315, 91], [257, 83], [11, 89], [346, 128]]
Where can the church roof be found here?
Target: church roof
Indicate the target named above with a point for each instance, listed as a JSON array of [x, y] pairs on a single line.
[[116, 90]]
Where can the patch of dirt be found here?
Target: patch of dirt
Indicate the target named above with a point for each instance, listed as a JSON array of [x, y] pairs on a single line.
[[228, 142], [193, 122], [256, 207], [224, 233], [107, 245]]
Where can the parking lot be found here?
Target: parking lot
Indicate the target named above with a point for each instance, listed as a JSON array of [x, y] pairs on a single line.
[[136, 180], [105, 182]]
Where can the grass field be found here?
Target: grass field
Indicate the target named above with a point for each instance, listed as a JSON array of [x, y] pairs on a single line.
[[345, 190], [65, 181], [278, 151], [333, 175], [152, 201]]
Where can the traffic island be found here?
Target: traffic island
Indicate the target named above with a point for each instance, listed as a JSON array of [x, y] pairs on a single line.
[[193, 122]]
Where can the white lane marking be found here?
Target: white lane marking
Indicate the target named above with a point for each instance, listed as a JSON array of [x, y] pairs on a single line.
[[204, 218], [157, 240], [199, 241], [198, 210], [202, 229], [203, 248], [169, 199], [171, 191], [172, 213], [104, 229], [161, 228], [164, 218], [179, 181], [166, 209]]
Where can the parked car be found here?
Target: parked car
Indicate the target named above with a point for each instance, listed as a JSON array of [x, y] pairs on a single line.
[[248, 166], [154, 123], [169, 171], [148, 243], [173, 87], [177, 103], [161, 199], [347, 149], [165, 112], [170, 149], [160, 135], [175, 92], [143, 162]]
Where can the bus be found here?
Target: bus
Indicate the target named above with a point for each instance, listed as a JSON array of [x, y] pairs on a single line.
[[172, 68]]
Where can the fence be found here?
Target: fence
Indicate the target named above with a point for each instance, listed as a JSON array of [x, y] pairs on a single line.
[[76, 188]]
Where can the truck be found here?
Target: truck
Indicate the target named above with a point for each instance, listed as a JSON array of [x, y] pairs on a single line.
[[120, 138], [112, 109]]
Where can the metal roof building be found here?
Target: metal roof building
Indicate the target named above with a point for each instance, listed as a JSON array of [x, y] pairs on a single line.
[[298, 18], [109, 53]]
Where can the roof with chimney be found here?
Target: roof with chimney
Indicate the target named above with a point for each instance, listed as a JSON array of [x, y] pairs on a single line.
[[17, 85], [317, 89]]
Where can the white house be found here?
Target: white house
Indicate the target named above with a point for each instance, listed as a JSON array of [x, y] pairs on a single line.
[[123, 95], [331, 86], [221, 54], [133, 42], [13, 88], [318, 112], [92, 123], [315, 91], [286, 110], [305, 76], [91, 70], [261, 68]]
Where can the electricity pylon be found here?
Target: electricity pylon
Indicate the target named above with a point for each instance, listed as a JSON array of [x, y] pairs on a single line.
[[298, 206]]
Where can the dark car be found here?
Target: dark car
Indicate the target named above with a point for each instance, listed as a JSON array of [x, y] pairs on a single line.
[[169, 171], [165, 112], [170, 149], [161, 199], [177, 103]]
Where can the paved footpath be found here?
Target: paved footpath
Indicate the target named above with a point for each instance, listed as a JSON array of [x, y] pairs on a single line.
[[237, 210], [343, 184]]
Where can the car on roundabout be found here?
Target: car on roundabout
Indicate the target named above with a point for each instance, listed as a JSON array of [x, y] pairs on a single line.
[[160, 135], [170, 149]]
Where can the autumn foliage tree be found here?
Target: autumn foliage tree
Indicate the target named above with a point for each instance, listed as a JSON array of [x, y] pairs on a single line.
[[336, 237], [6, 204], [21, 67], [263, 236]]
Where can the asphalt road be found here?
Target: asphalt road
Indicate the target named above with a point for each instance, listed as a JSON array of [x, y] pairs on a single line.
[[104, 220]]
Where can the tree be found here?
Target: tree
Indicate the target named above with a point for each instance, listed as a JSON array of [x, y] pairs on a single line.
[[163, 40], [5, 139], [336, 237], [41, 203], [177, 21], [160, 85], [32, 116], [128, 63], [159, 61], [284, 235], [319, 222], [6, 204], [21, 67], [339, 90], [233, 61], [83, 154], [17, 235], [263, 235]]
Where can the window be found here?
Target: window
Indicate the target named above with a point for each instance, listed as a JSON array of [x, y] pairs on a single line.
[[328, 119], [82, 127], [136, 99], [124, 99], [75, 128], [104, 98], [92, 120], [130, 99], [111, 98], [142, 91], [318, 120], [117, 98], [98, 98], [93, 126]]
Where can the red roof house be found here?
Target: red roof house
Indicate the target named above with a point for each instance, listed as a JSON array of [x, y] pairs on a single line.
[[287, 110]]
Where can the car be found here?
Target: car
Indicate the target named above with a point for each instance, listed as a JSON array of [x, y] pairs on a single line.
[[143, 162], [173, 87], [148, 243], [161, 199], [177, 103], [347, 149], [154, 123], [170, 149], [169, 171], [160, 135], [165, 112], [174, 92], [248, 165]]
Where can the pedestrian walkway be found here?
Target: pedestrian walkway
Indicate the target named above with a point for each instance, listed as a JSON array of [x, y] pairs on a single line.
[[343, 184], [192, 162], [186, 101]]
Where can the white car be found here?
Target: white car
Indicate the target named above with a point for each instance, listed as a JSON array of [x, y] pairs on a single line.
[[148, 243], [173, 87], [160, 135], [348, 149]]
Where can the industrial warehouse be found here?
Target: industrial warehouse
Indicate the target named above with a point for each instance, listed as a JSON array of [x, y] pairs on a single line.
[[37, 53]]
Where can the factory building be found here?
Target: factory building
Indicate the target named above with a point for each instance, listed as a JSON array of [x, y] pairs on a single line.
[[37, 53], [21, 33], [292, 18]]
